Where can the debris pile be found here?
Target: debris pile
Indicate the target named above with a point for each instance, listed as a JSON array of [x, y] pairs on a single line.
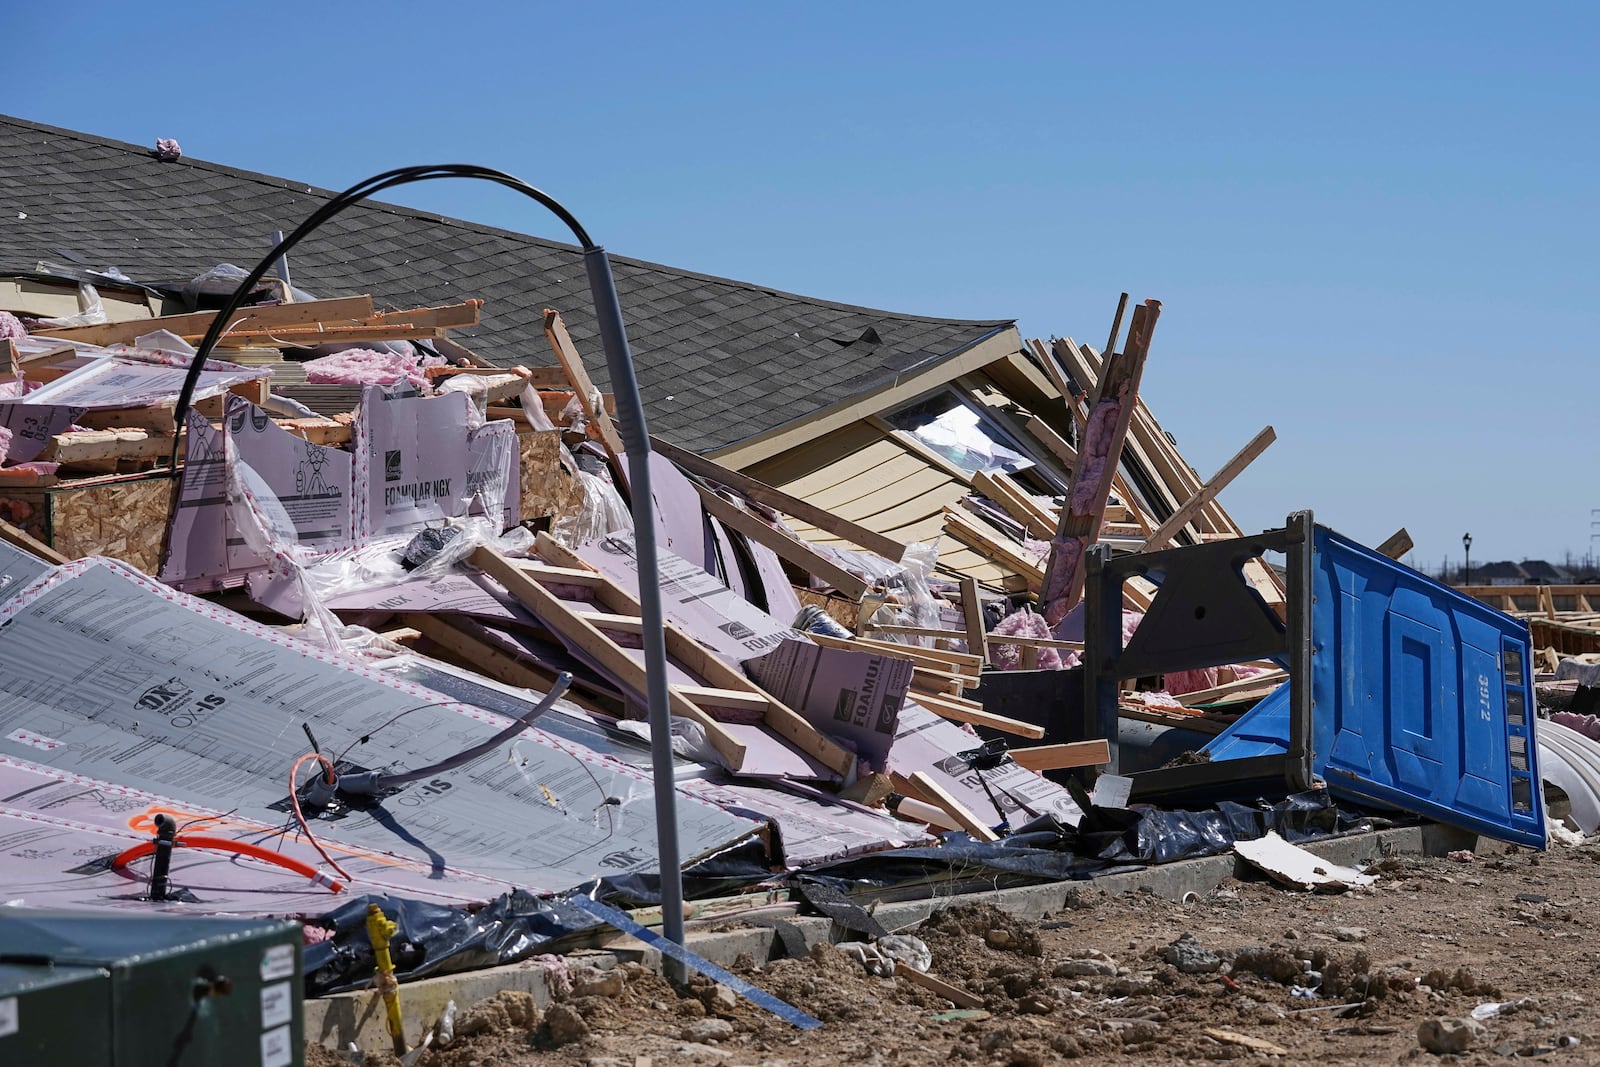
[[356, 630]]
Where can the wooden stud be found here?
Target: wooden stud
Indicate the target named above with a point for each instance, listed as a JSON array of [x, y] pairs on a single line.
[[347, 309], [1397, 545], [1060, 757], [555, 331], [957, 710], [1207, 492], [936, 794], [28, 543], [600, 649], [972, 614], [777, 499], [777, 716], [953, 993], [795, 551], [1238, 687]]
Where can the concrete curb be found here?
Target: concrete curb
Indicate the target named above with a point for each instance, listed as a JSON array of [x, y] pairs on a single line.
[[358, 1017]]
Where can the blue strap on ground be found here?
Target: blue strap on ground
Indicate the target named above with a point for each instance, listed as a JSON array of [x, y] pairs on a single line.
[[787, 1012]]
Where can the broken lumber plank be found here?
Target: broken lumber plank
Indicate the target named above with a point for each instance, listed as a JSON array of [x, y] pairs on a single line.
[[1116, 397], [778, 500], [1061, 757], [310, 337], [958, 710], [555, 331], [972, 615], [1207, 492], [80, 447], [1397, 545], [600, 649], [953, 993], [1054, 371], [916, 631], [317, 431], [346, 309], [935, 794], [964, 663], [157, 417], [712, 696], [1238, 687], [1046, 436], [28, 543], [988, 541], [442, 316], [797, 552], [1016, 502]]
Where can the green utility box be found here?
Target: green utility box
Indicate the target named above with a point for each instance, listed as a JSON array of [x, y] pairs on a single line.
[[49, 1012], [97, 990]]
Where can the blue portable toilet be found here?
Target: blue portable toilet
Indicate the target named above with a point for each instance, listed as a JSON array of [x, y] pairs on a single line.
[[1421, 698]]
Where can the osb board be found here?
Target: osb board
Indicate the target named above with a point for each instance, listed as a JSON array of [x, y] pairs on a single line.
[[123, 518], [547, 488], [842, 611]]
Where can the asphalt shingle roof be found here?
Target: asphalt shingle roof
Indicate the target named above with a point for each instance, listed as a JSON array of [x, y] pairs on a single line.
[[718, 360]]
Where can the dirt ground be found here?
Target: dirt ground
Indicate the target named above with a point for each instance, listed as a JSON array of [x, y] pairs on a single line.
[[1250, 972]]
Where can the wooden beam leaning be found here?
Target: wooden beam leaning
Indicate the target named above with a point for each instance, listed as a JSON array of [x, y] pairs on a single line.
[[555, 331], [1398, 544], [1085, 508], [1053, 441], [720, 678], [777, 499], [937, 795], [28, 543], [797, 552], [343, 309], [1207, 492]]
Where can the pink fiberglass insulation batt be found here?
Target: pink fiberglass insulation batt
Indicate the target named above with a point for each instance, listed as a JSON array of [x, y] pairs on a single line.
[[1023, 623], [11, 327], [363, 366]]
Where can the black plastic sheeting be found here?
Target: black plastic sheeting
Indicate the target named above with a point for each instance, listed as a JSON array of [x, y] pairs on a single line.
[[435, 939], [1106, 840]]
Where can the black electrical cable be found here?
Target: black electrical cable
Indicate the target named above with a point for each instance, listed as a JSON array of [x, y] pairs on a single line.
[[353, 195]]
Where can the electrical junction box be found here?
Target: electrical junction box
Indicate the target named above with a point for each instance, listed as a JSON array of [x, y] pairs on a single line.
[[149, 991]]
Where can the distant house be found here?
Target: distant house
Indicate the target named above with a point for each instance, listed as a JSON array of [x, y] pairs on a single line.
[[1503, 573]]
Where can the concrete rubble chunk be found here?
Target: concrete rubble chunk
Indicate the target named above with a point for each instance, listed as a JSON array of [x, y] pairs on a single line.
[[1449, 1036]]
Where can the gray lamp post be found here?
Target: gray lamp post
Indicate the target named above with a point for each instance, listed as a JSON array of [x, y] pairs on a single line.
[[1466, 546]]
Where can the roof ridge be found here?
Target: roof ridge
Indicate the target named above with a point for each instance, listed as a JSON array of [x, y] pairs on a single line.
[[303, 188]]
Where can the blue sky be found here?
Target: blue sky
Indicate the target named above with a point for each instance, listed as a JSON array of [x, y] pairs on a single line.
[[1372, 226]]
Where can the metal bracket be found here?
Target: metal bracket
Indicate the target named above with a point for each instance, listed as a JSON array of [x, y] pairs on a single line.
[[1205, 613]]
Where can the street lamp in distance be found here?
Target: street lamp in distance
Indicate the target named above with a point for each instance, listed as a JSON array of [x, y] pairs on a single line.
[[1466, 547]]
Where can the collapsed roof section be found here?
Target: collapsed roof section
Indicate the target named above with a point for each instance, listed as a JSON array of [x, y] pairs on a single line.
[[720, 361]]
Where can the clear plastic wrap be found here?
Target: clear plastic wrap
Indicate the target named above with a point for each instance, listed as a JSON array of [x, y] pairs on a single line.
[[907, 585], [91, 312], [533, 409]]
